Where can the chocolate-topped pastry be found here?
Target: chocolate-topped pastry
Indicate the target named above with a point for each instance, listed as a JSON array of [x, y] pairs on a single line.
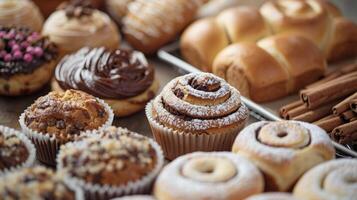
[[123, 160], [77, 24], [123, 78], [62, 117], [26, 60], [37, 183]]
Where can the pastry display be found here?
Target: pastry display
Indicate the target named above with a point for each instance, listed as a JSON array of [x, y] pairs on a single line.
[[196, 112], [37, 183], [21, 13], [272, 68], [317, 20], [76, 24], [329, 103], [60, 117], [331, 180], [122, 78], [112, 163], [148, 25], [218, 175], [27, 60], [273, 196], [16, 151], [284, 150]]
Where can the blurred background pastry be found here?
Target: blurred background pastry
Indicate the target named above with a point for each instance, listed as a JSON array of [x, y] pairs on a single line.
[[117, 9], [149, 25], [76, 24], [123, 78], [20, 13], [27, 61], [273, 196]]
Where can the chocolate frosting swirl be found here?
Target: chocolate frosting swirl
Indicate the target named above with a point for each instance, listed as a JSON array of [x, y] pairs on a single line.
[[115, 75]]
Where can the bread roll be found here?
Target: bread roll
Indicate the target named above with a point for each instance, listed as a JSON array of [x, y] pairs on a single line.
[[150, 24], [272, 68]]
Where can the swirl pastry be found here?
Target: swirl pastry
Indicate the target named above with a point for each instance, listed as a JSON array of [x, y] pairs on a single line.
[[273, 196], [78, 25], [333, 180], [196, 112], [284, 150], [201, 176], [22, 13], [124, 79]]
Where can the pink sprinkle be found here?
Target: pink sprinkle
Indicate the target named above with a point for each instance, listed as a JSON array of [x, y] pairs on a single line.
[[2, 34], [12, 43], [28, 57], [7, 58], [10, 35], [30, 49], [38, 51], [35, 35], [15, 47], [17, 54], [24, 44], [2, 53], [19, 36]]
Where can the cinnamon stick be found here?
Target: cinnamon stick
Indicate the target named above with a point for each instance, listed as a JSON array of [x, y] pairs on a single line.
[[283, 110], [314, 115], [345, 133], [348, 115], [343, 105], [353, 105], [329, 124], [295, 112]]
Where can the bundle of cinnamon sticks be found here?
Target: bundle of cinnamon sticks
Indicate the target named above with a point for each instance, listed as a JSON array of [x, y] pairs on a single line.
[[330, 103]]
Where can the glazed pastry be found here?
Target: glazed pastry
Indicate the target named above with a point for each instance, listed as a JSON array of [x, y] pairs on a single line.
[[273, 196], [117, 8], [272, 68], [27, 61], [77, 24], [123, 78], [37, 183], [21, 13], [136, 197], [317, 20], [61, 117], [284, 150], [196, 112], [149, 25], [201, 176], [333, 180], [16, 151], [111, 163]]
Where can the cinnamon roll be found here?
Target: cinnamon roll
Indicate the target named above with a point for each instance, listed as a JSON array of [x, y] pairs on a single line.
[[22, 13], [123, 78], [201, 176], [333, 180], [196, 112], [284, 150], [76, 25], [273, 196]]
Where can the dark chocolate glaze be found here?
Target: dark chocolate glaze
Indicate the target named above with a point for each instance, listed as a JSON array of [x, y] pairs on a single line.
[[115, 75]]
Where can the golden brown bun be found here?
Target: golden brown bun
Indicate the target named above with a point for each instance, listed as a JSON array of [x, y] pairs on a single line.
[[125, 107], [117, 9], [149, 25], [272, 68]]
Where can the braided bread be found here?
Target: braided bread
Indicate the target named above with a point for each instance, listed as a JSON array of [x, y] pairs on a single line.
[[317, 20]]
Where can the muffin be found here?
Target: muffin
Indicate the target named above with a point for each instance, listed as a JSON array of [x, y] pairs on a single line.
[[122, 78], [60, 117], [22, 13], [76, 24], [111, 163], [202, 176], [16, 150], [27, 60], [284, 150], [196, 112], [37, 183]]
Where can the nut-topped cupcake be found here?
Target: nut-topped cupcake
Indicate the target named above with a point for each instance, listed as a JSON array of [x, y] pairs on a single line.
[[27, 60], [37, 183], [123, 78], [16, 150], [76, 24], [196, 112], [60, 117], [111, 163]]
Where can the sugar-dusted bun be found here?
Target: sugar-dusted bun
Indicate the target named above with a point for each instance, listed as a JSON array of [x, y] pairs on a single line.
[[20, 13], [201, 176], [150, 24], [273, 196], [284, 150]]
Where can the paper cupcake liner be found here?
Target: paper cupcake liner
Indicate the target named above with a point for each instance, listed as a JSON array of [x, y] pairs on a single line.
[[104, 192], [175, 143], [28, 144], [48, 145], [79, 194]]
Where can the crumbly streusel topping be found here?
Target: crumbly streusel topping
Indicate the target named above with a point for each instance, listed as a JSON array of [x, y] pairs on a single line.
[[12, 151]]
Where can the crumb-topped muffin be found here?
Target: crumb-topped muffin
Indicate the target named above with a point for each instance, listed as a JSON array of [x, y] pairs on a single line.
[[16, 150], [37, 183], [63, 116], [125, 161], [27, 60]]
